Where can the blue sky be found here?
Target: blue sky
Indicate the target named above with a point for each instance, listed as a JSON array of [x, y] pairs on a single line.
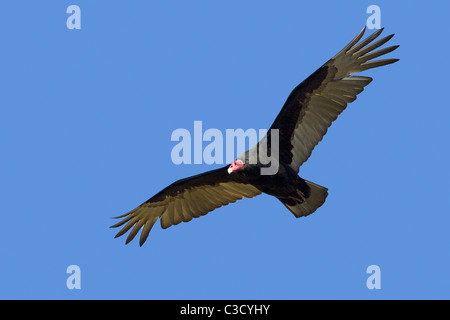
[[86, 118]]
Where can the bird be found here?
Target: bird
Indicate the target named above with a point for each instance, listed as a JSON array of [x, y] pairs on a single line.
[[304, 119]]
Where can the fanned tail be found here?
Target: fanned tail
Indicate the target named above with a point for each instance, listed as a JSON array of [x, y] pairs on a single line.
[[317, 196]]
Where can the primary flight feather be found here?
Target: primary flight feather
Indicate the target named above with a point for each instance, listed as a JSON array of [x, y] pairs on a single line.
[[301, 124]]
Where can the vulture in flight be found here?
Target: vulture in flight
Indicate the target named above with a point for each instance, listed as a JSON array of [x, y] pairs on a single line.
[[302, 122]]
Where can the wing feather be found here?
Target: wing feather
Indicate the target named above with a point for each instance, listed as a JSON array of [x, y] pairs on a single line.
[[147, 228]]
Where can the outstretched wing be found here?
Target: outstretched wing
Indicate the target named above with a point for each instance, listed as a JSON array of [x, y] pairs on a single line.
[[315, 103], [186, 199]]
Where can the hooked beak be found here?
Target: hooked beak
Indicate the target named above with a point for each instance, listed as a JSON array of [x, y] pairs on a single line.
[[229, 170]]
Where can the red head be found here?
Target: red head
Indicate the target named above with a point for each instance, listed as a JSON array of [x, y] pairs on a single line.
[[236, 166]]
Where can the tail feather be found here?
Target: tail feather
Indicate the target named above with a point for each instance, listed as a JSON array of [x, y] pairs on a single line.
[[316, 198]]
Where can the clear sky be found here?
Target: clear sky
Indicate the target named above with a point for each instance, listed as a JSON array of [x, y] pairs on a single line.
[[86, 118]]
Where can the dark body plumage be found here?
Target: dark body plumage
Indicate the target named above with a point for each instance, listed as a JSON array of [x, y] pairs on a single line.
[[304, 119]]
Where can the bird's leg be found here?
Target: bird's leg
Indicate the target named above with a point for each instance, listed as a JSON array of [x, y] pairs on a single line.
[[299, 197]]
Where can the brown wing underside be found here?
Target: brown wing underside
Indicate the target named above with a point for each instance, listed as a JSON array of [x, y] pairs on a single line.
[[314, 104], [183, 200]]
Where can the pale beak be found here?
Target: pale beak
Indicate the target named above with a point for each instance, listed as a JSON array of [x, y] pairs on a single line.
[[229, 170]]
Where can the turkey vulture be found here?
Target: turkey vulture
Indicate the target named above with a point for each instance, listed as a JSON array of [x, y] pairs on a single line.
[[302, 122]]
